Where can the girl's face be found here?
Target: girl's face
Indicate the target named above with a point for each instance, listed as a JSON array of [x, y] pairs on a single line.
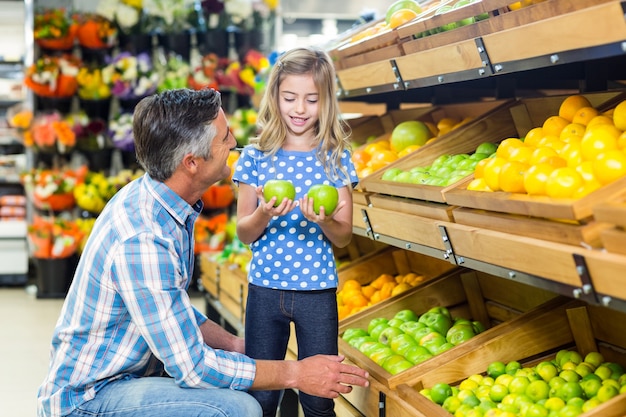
[[298, 103]]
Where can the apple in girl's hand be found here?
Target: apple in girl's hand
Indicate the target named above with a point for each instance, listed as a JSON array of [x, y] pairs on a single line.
[[279, 189], [325, 196]]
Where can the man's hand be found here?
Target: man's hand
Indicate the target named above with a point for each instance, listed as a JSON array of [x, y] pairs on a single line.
[[326, 376]]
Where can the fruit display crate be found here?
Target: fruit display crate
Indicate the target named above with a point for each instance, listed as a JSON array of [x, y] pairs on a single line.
[[529, 339], [491, 121], [233, 290], [209, 273], [476, 122], [613, 215], [389, 261], [493, 301]]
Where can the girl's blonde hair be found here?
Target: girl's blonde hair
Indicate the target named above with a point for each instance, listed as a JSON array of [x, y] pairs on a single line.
[[331, 131]]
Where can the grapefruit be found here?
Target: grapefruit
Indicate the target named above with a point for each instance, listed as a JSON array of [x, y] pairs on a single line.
[[402, 4], [411, 132]]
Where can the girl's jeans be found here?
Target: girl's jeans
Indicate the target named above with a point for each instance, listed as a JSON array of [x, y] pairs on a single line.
[[268, 316]]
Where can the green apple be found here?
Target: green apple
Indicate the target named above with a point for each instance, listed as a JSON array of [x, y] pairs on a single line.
[[323, 195], [420, 332], [368, 348], [406, 315], [375, 322], [355, 342], [417, 354], [436, 320], [478, 327], [391, 173], [486, 148], [378, 329], [353, 332], [380, 355], [460, 333], [405, 177], [395, 322], [387, 334], [395, 364], [279, 189], [411, 326], [401, 343], [433, 342]]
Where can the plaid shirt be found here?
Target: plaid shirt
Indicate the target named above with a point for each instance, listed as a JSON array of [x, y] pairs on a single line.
[[127, 313]]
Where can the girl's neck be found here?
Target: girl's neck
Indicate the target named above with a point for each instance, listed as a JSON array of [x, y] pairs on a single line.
[[299, 143]]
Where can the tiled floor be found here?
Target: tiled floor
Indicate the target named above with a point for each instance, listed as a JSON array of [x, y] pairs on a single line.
[[26, 325]]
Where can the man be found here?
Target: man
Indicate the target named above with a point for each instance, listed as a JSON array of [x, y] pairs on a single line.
[[128, 341]]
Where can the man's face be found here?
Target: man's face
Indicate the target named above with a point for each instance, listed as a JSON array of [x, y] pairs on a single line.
[[215, 169]]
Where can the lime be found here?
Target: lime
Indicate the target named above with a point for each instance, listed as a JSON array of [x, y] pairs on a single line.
[[439, 392], [495, 369]]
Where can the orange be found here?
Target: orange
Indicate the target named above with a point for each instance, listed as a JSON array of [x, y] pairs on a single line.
[[343, 311], [511, 177], [554, 125], [536, 177], [619, 116], [600, 119], [505, 148], [400, 17], [356, 300], [478, 184], [373, 147], [368, 291], [351, 285], [541, 154], [480, 167], [381, 280], [533, 136], [408, 150], [572, 153], [599, 139], [584, 115], [563, 182], [571, 105], [572, 129], [521, 154], [384, 155], [491, 172], [609, 166]]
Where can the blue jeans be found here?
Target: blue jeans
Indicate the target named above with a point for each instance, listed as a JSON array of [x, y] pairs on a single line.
[[161, 397], [268, 316]]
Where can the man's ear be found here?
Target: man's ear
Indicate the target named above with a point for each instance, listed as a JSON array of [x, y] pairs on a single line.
[[190, 163]]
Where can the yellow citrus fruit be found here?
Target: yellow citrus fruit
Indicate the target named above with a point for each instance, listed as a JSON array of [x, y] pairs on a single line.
[[384, 155], [479, 169], [587, 188], [478, 184], [491, 172], [585, 169], [571, 105], [563, 182], [584, 115], [521, 154], [505, 148], [554, 125], [599, 139], [572, 153], [553, 142], [600, 119], [408, 150], [400, 17], [351, 285], [619, 116], [433, 129], [535, 178], [621, 141], [542, 153], [575, 129], [533, 136], [609, 166], [511, 177], [373, 147]]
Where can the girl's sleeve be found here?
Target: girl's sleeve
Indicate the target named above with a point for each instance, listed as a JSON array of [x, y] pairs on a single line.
[[245, 170], [346, 160]]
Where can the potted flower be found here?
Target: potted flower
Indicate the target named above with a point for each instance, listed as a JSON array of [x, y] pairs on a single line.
[[54, 29], [174, 74], [204, 75], [130, 20], [54, 243], [50, 133], [97, 35], [94, 94], [53, 80], [52, 189], [130, 78], [92, 140]]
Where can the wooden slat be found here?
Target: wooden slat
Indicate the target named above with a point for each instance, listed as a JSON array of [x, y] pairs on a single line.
[[432, 210], [580, 324], [611, 212], [614, 240], [368, 75]]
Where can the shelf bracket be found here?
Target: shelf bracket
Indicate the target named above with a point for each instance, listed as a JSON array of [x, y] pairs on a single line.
[[382, 400], [368, 226], [399, 84], [586, 292], [487, 68], [449, 253]]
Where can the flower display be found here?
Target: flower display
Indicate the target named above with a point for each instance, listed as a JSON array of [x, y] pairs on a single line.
[[127, 15], [210, 233], [131, 76], [204, 75], [174, 74], [50, 132], [53, 76], [54, 238], [96, 31], [91, 85], [91, 134], [243, 125], [54, 29], [53, 188], [121, 132], [171, 16]]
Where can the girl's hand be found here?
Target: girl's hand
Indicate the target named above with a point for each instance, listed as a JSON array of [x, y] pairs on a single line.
[[306, 206], [268, 208]]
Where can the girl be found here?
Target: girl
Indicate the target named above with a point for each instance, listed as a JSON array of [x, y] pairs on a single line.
[[293, 276]]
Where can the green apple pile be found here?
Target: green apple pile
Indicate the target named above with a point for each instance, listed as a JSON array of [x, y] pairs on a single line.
[[445, 170], [567, 386], [407, 339]]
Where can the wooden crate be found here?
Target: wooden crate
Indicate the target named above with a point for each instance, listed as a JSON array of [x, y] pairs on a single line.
[[209, 273], [468, 294], [614, 236], [527, 114], [233, 290], [571, 325], [492, 121]]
